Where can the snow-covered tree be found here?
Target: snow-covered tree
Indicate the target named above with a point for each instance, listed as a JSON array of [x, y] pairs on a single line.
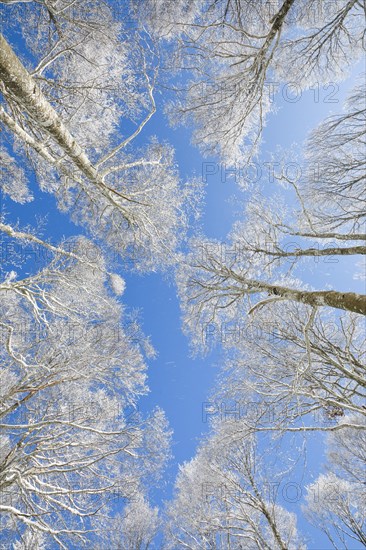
[[224, 499], [336, 501], [72, 439], [30, 540], [336, 167], [136, 527], [139, 524], [222, 283], [250, 292], [295, 369], [239, 53], [315, 217], [70, 98]]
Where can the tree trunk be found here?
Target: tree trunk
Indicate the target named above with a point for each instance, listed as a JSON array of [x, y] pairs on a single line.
[[332, 235], [349, 301], [331, 251], [26, 92]]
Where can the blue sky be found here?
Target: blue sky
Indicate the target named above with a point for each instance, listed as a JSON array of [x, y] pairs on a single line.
[[179, 384]]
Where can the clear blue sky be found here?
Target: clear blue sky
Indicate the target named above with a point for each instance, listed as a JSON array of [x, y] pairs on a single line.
[[179, 384]]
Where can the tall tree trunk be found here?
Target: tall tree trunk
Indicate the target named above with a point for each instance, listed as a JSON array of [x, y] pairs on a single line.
[[332, 251], [26, 92], [349, 301]]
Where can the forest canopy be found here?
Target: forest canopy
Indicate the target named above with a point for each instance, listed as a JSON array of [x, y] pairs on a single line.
[[97, 101]]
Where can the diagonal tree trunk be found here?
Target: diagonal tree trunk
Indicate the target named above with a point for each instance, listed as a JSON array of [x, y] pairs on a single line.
[[22, 88], [349, 301], [331, 251], [26, 92]]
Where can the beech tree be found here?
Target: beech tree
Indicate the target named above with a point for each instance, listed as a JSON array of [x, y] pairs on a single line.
[[221, 283], [72, 439], [135, 528], [140, 525], [335, 170], [84, 75], [73, 362], [307, 218], [295, 369], [336, 501], [30, 540], [326, 184], [224, 499], [295, 353], [239, 53], [78, 83]]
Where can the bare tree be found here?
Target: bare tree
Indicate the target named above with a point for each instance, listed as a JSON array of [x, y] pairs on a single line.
[[136, 527], [336, 501], [295, 351], [336, 169], [307, 218], [238, 53], [70, 374], [64, 115], [213, 290], [295, 369], [223, 498]]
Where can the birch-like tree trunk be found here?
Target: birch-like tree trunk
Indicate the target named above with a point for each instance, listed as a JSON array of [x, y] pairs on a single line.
[[64, 115], [27, 93], [348, 301]]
